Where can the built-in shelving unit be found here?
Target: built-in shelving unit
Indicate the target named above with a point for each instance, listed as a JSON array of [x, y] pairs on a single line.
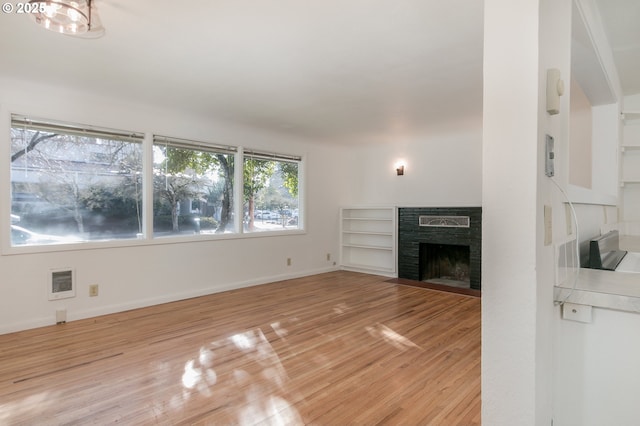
[[630, 170], [630, 174], [368, 239], [630, 116]]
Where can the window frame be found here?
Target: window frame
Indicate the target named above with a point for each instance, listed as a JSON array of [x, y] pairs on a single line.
[[285, 158], [191, 145], [25, 122], [146, 139]]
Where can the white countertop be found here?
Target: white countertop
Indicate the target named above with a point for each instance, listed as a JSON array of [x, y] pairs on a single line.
[[630, 263], [605, 289]]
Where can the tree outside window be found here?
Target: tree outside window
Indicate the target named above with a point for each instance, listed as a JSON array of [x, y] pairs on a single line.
[[270, 193], [193, 188], [73, 185]]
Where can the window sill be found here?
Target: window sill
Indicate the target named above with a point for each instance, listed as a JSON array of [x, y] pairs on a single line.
[[128, 243]]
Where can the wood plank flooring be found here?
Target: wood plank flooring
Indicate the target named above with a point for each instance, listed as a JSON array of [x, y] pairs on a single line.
[[331, 349]]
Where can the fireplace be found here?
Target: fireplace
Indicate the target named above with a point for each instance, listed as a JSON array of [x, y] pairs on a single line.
[[446, 264], [440, 245]]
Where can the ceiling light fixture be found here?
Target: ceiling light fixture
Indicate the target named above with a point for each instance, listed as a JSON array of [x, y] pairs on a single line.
[[71, 17]]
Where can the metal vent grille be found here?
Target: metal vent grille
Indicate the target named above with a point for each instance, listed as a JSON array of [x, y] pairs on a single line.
[[445, 221], [62, 283]]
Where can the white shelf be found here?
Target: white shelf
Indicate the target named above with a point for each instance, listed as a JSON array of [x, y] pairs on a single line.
[[368, 239], [367, 269], [629, 196], [625, 183], [369, 247], [629, 117], [369, 219], [390, 234]]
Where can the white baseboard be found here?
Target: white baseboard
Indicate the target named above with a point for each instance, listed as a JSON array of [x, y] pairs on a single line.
[[143, 303]]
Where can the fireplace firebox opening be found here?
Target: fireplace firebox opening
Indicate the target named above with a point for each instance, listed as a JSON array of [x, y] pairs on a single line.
[[446, 264]]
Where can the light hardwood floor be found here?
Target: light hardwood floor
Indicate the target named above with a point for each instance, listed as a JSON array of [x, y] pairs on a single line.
[[331, 349]]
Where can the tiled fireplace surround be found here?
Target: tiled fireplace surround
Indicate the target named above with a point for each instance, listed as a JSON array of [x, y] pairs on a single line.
[[411, 235]]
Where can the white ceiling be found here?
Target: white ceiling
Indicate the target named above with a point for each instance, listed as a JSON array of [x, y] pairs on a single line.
[[342, 70], [330, 69], [621, 22]]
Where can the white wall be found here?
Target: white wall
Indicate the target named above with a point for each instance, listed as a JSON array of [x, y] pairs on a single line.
[[509, 212], [580, 137], [142, 275], [632, 103], [596, 364], [606, 146], [605, 131], [443, 167], [630, 163], [522, 40], [538, 368], [596, 382]]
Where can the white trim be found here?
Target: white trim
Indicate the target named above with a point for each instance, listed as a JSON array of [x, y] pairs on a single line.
[[147, 187], [55, 126], [5, 176], [238, 191], [110, 309], [194, 145]]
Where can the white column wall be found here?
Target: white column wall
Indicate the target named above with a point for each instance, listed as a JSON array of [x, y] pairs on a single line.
[[522, 40], [509, 212]]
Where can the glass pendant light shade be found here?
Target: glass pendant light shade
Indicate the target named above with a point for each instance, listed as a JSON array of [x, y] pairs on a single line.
[[72, 17]]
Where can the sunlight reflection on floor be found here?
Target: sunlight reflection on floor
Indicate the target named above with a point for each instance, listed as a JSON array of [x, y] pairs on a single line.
[[388, 335], [258, 379], [316, 352], [31, 405]]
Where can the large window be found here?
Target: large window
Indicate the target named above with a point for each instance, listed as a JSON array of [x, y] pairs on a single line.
[[270, 192], [192, 187], [77, 184], [73, 184]]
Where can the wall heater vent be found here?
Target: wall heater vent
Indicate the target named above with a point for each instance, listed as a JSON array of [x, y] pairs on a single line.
[[61, 283]]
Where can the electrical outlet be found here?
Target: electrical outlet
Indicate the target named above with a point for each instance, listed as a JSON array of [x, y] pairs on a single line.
[[328, 257], [93, 290], [288, 261]]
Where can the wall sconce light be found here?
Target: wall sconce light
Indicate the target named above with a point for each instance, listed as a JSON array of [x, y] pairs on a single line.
[[400, 169]]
